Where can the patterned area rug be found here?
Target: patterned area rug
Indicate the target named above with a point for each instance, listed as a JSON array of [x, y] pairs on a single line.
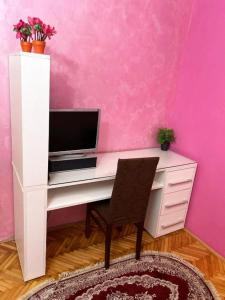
[[156, 276]]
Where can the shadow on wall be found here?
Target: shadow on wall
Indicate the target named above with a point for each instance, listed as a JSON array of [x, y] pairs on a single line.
[[65, 90]]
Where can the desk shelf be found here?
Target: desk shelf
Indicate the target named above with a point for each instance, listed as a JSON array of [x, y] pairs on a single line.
[[82, 194], [79, 194]]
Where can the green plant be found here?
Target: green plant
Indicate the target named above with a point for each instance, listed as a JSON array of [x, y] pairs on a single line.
[[165, 135]]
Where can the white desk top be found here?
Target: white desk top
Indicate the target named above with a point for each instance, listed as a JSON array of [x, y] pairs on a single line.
[[107, 166]]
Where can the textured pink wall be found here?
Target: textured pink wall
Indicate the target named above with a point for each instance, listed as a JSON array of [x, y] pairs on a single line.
[[121, 56], [198, 117]]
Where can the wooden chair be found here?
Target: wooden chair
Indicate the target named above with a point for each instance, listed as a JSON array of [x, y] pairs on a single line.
[[128, 203]]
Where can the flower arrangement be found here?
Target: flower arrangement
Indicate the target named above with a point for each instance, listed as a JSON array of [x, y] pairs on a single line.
[[40, 30], [36, 31], [23, 31]]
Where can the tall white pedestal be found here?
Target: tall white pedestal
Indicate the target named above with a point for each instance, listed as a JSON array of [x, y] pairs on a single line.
[[29, 97]]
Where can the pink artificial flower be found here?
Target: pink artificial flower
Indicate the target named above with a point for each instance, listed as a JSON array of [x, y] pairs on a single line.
[[34, 21], [30, 20], [19, 35], [48, 30], [19, 25]]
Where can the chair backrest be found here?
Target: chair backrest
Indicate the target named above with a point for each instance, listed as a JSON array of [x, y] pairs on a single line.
[[132, 189]]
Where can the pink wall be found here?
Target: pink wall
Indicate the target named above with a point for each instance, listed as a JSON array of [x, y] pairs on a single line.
[[121, 56], [198, 117]]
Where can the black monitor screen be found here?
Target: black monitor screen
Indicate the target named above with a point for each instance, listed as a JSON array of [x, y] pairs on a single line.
[[73, 131]]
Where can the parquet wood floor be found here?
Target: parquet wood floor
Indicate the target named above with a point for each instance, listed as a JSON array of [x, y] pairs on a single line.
[[68, 249]]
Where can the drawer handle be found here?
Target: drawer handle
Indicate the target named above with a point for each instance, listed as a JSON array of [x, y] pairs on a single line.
[[172, 224], [180, 182], [176, 203]]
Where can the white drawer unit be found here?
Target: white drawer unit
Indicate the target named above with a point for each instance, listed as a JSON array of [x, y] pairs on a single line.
[[179, 180], [167, 208], [176, 201]]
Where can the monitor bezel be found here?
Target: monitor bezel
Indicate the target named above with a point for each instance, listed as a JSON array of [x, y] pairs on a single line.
[[80, 151]]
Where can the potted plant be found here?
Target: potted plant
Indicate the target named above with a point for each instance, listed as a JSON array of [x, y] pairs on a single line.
[[165, 136], [40, 32], [23, 32]]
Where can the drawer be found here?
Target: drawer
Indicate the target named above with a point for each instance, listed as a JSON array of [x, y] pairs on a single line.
[[179, 180], [171, 222], [176, 201]]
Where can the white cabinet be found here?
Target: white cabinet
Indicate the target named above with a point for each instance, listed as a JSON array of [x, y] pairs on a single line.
[[29, 96], [167, 211]]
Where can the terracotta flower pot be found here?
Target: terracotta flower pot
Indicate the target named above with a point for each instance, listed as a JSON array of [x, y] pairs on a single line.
[[38, 46], [26, 46]]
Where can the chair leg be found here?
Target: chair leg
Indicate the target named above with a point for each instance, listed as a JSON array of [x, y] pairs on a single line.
[[88, 222], [139, 239], [108, 238], [120, 228]]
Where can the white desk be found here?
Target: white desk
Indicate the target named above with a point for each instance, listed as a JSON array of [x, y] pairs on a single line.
[[33, 195], [166, 210]]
